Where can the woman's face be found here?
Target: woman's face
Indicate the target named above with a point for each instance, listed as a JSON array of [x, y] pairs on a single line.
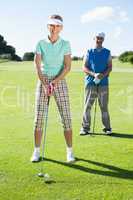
[[54, 29]]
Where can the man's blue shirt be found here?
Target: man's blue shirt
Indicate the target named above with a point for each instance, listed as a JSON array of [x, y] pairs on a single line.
[[97, 62]]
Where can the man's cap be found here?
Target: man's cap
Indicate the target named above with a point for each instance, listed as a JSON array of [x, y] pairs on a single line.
[[100, 34]]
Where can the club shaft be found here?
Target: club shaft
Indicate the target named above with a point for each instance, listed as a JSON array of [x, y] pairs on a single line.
[[45, 128], [95, 110]]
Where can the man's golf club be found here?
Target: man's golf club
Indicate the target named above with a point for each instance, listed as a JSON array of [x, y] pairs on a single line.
[[95, 110], [41, 174]]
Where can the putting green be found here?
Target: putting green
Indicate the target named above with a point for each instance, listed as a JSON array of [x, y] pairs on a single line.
[[104, 167]]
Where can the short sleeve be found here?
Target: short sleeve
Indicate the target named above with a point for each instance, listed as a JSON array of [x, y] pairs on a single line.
[[110, 57], [67, 48], [38, 48], [86, 60]]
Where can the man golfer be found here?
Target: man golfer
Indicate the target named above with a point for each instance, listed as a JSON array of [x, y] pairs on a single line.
[[97, 66]]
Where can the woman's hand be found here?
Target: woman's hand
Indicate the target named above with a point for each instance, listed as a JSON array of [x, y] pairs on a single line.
[[55, 82], [48, 89]]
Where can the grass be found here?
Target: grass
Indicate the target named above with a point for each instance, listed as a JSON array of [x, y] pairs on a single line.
[[104, 170]]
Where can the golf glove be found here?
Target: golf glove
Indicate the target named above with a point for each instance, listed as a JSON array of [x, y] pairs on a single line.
[[96, 79]]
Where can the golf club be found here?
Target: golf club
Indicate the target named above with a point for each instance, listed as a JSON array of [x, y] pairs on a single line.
[[41, 173], [95, 110]]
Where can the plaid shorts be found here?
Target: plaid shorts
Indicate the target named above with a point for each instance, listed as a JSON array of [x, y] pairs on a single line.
[[62, 100]]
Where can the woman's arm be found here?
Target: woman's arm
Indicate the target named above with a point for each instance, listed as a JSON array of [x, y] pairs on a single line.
[[38, 67]]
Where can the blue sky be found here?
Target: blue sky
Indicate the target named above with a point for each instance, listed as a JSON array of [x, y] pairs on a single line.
[[23, 23]]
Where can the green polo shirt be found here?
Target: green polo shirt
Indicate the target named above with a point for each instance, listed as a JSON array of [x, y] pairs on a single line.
[[53, 55]]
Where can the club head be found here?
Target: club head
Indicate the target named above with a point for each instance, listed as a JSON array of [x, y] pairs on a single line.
[[41, 175], [47, 179]]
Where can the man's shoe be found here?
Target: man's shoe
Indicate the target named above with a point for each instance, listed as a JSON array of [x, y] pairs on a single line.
[[84, 132], [108, 131], [70, 157], [35, 157]]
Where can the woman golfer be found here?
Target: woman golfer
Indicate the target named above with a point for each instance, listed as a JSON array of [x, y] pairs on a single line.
[[55, 54]]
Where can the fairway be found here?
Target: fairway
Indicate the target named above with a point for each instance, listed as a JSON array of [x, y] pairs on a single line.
[[104, 167]]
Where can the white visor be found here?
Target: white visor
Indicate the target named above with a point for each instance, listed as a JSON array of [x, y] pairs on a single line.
[[55, 22]]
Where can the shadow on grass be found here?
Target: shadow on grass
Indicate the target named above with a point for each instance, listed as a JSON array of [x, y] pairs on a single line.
[[122, 135], [114, 171], [119, 135]]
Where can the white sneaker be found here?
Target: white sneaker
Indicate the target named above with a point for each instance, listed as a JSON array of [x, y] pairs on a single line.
[[84, 132], [35, 156], [107, 131], [70, 157]]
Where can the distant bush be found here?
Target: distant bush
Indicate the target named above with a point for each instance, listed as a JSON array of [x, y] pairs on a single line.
[[113, 57], [127, 56], [131, 59], [28, 56], [7, 51], [77, 58], [16, 58], [8, 56], [5, 56]]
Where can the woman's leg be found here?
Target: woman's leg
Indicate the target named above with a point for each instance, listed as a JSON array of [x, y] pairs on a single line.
[[62, 101], [40, 107]]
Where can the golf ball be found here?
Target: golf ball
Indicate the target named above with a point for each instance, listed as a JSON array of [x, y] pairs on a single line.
[[46, 177], [40, 174]]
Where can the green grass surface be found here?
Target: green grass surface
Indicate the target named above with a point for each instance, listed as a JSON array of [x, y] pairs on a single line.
[[104, 170]]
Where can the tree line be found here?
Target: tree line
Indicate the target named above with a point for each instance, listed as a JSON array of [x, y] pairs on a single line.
[[127, 56], [9, 52]]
